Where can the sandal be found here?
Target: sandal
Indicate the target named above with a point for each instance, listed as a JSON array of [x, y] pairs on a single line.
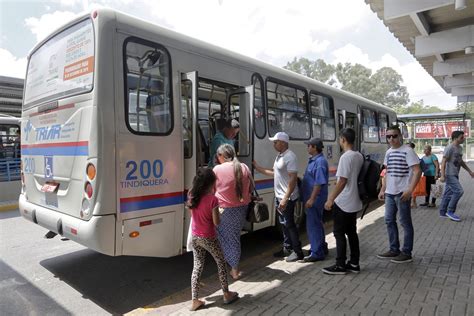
[[238, 277], [232, 299], [195, 308]]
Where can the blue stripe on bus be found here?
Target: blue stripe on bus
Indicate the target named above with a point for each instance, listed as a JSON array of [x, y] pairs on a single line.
[[142, 205], [264, 185], [57, 151]]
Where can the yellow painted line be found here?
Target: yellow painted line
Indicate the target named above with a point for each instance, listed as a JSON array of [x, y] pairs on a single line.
[[8, 207]]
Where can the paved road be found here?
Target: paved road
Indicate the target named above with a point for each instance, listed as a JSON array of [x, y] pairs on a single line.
[[39, 276], [439, 281], [59, 277]]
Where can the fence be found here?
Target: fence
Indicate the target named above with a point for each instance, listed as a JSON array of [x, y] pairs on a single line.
[[10, 169]]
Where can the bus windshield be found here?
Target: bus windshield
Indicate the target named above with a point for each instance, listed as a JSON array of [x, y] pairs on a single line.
[[63, 66]]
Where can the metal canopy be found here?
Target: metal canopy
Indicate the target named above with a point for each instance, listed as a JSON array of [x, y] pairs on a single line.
[[439, 34], [433, 116]]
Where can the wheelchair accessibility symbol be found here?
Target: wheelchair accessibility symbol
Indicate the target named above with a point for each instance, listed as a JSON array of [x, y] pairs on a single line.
[[48, 167]]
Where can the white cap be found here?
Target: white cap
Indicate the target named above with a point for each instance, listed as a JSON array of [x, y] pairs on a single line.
[[280, 136]]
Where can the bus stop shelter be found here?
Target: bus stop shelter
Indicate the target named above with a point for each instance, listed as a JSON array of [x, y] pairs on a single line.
[[435, 129]]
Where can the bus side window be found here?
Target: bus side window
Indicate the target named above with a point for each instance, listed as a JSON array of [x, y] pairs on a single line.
[[370, 132], [383, 125], [148, 85], [287, 110], [322, 113]]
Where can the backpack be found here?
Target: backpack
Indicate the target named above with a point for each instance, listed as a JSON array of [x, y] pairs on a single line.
[[423, 165], [368, 182]]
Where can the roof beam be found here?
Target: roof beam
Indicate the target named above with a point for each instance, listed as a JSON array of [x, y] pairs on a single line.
[[466, 98], [454, 66], [457, 92], [423, 27], [464, 80], [444, 41], [397, 8]]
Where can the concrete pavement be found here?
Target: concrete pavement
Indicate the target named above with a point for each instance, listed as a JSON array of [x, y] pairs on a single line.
[[439, 281]]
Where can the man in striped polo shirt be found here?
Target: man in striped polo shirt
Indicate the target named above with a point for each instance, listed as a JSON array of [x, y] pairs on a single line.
[[403, 173]]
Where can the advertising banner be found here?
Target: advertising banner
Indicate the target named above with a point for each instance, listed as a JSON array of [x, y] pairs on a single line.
[[432, 130]]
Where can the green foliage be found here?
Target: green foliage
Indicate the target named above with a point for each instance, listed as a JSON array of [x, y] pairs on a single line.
[[467, 107], [384, 86], [418, 107], [318, 69]]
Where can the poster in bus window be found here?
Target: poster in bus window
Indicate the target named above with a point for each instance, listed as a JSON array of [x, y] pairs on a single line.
[[62, 66]]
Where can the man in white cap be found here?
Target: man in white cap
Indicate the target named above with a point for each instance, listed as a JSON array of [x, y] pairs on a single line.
[[284, 172]]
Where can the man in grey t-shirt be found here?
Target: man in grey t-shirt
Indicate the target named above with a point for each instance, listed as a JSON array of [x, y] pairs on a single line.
[[450, 166]]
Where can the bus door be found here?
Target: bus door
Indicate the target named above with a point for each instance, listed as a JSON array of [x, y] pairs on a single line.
[[149, 154], [193, 152], [350, 120], [240, 102]]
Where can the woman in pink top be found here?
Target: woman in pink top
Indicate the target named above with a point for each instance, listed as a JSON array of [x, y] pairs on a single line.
[[233, 188], [205, 217]]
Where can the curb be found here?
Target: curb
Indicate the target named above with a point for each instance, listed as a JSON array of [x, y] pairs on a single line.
[[8, 207]]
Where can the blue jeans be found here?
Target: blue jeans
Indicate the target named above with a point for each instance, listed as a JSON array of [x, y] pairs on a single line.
[[291, 238], [315, 230], [451, 196], [394, 204]]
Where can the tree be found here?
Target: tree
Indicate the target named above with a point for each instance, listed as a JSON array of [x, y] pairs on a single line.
[[387, 88], [317, 69], [466, 107], [418, 107], [384, 86]]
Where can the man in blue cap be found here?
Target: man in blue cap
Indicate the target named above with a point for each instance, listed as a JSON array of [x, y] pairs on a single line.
[[315, 193]]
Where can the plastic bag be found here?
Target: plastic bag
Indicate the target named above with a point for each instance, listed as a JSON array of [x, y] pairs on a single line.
[[437, 190], [420, 189], [189, 242]]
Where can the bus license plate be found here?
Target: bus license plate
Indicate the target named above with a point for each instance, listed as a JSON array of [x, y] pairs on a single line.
[[50, 187]]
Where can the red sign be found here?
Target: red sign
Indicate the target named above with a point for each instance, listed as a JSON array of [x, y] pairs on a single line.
[[433, 130]]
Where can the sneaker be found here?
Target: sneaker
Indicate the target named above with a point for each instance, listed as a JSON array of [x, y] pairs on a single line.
[[354, 268], [424, 204], [432, 205], [335, 269], [443, 215], [402, 258], [453, 217], [282, 253], [311, 259], [387, 255], [294, 257]]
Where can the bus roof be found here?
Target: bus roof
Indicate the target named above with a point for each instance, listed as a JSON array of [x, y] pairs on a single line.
[[225, 54]]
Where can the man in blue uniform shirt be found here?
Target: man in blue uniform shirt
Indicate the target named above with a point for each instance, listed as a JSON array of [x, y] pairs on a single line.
[[315, 193]]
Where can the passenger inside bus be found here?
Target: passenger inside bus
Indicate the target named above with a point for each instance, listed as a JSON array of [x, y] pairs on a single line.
[[230, 129]]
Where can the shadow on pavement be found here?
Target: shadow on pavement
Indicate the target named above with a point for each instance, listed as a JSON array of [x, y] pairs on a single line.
[[20, 297], [122, 284]]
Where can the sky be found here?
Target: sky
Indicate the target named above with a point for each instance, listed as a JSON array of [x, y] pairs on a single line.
[[273, 31]]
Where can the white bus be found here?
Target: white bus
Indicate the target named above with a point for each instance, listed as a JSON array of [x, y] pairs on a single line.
[[118, 114]]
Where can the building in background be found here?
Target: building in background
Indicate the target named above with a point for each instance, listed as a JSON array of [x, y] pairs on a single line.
[[11, 96]]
